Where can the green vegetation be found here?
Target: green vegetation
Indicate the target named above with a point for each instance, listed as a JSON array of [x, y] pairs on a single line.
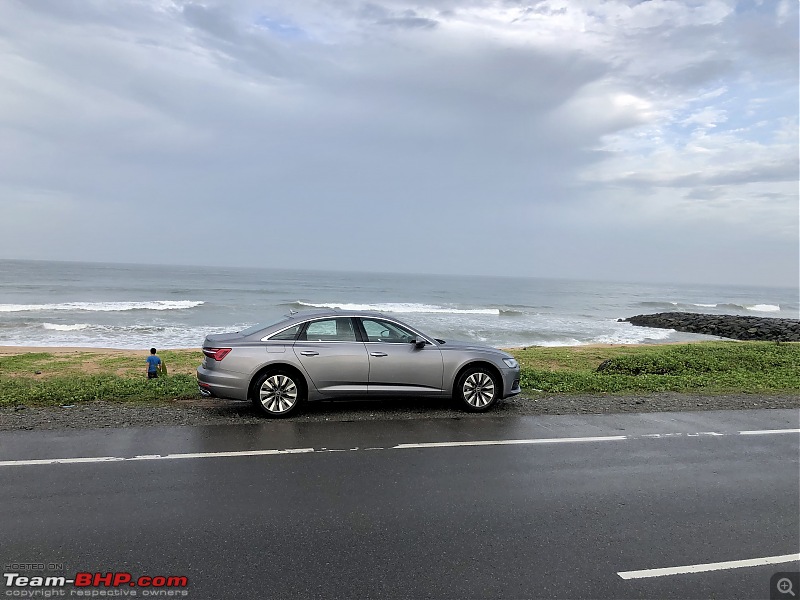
[[45, 378], [83, 388], [82, 362], [708, 367]]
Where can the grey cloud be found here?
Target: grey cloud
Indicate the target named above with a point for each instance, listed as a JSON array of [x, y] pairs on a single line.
[[765, 172], [787, 171], [215, 21], [409, 22], [706, 193], [402, 19], [777, 197], [82, 12], [772, 44], [699, 73], [541, 8], [109, 107]]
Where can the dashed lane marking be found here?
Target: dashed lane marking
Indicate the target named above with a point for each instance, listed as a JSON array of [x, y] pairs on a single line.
[[611, 438], [718, 566], [424, 445], [769, 431]]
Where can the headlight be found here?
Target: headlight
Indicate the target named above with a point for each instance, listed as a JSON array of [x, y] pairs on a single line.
[[511, 362]]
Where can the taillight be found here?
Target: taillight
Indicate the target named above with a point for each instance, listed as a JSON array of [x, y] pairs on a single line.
[[216, 353]]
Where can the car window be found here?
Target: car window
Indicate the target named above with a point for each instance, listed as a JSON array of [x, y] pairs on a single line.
[[287, 334], [383, 331], [330, 330]]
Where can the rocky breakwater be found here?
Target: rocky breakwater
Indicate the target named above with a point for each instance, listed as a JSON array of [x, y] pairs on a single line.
[[729, 326]]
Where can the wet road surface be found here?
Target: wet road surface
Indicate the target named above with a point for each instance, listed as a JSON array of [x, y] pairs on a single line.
[[469, 507]]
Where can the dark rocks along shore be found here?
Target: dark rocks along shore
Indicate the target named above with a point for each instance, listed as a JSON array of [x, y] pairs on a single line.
[[729, 326]]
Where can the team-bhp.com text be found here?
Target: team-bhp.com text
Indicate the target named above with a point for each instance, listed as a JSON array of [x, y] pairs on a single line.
[[113, 584]]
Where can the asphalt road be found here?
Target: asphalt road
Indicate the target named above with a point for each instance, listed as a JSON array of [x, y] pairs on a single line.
[[474, 507]]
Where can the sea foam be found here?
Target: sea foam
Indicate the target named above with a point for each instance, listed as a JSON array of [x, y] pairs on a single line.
[[103, 306], [721, 306], [763, 308], [404, 307], [61, 327]]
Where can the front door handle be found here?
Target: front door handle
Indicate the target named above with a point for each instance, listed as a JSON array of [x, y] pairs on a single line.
[[378, 354], [309, 353]]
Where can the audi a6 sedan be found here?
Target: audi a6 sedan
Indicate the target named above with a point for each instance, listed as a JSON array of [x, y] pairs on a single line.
[[323, 355]]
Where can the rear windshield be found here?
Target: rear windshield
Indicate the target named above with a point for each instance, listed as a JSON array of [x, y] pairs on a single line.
[[259, 326]]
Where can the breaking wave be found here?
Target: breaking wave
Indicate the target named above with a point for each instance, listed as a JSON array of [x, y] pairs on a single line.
[[406, 307], [764, 308], [60, 327], [111, 336], [721, 305], [103, 306]]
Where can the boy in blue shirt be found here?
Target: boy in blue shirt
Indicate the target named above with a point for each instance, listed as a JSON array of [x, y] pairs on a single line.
[[153, 363]]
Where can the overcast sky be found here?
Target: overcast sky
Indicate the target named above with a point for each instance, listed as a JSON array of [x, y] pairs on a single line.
[[618, 140]]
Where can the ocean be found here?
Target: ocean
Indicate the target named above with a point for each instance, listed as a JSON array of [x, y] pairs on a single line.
[[139, 306]]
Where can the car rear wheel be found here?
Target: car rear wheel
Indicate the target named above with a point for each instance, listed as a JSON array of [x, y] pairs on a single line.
[[278, 393], [477, 389]]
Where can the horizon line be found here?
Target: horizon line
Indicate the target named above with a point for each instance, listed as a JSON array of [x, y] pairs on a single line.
[[408, 273]]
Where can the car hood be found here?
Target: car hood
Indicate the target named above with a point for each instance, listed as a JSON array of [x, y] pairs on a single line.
[[457, 345]]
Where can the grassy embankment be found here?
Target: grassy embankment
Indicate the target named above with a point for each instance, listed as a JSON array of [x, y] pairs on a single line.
[[708, 367]]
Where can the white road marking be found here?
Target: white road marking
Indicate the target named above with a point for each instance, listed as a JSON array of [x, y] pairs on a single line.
[[222, 454], [100, 459], [719, 566], [271, 452], [612, 438], [674, 435], [58, 461], [768, 431]]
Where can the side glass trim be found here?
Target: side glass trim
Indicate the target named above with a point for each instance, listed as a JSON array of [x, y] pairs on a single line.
[[306, 324], [359, 324], [401, 325]]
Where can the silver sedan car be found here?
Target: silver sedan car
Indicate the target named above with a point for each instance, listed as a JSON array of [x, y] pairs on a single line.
[[332, 354]]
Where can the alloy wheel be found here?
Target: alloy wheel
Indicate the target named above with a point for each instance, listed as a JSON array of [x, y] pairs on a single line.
[[478, 389], [278, 394]]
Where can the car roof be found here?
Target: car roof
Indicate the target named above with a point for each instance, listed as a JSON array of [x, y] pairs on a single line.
[[304, 315]]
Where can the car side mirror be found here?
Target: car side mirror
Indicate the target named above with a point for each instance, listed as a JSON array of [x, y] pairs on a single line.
[[419, 342]]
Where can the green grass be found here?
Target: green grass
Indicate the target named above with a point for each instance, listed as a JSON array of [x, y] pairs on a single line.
[[74, 389], [84, 376], [708, 367], [82, 362]]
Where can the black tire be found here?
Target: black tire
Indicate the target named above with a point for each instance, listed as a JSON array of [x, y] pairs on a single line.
[[477, 389], [278, 393]]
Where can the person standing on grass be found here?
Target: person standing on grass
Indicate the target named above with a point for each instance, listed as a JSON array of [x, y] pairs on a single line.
[[153, 364]]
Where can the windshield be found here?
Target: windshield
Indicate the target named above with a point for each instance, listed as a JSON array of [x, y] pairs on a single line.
[[259, 326]]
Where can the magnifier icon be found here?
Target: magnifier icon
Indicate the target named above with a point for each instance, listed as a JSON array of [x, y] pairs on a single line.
[[784, 586]]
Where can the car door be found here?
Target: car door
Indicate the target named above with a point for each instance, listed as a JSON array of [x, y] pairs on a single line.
[[396, 364], [333, 357]]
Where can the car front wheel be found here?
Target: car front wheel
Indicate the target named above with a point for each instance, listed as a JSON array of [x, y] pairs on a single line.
[[278, 393], [477, 389]]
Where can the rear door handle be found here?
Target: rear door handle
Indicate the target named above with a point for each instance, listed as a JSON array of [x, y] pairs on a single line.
[[378, 354], [309, 353]]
